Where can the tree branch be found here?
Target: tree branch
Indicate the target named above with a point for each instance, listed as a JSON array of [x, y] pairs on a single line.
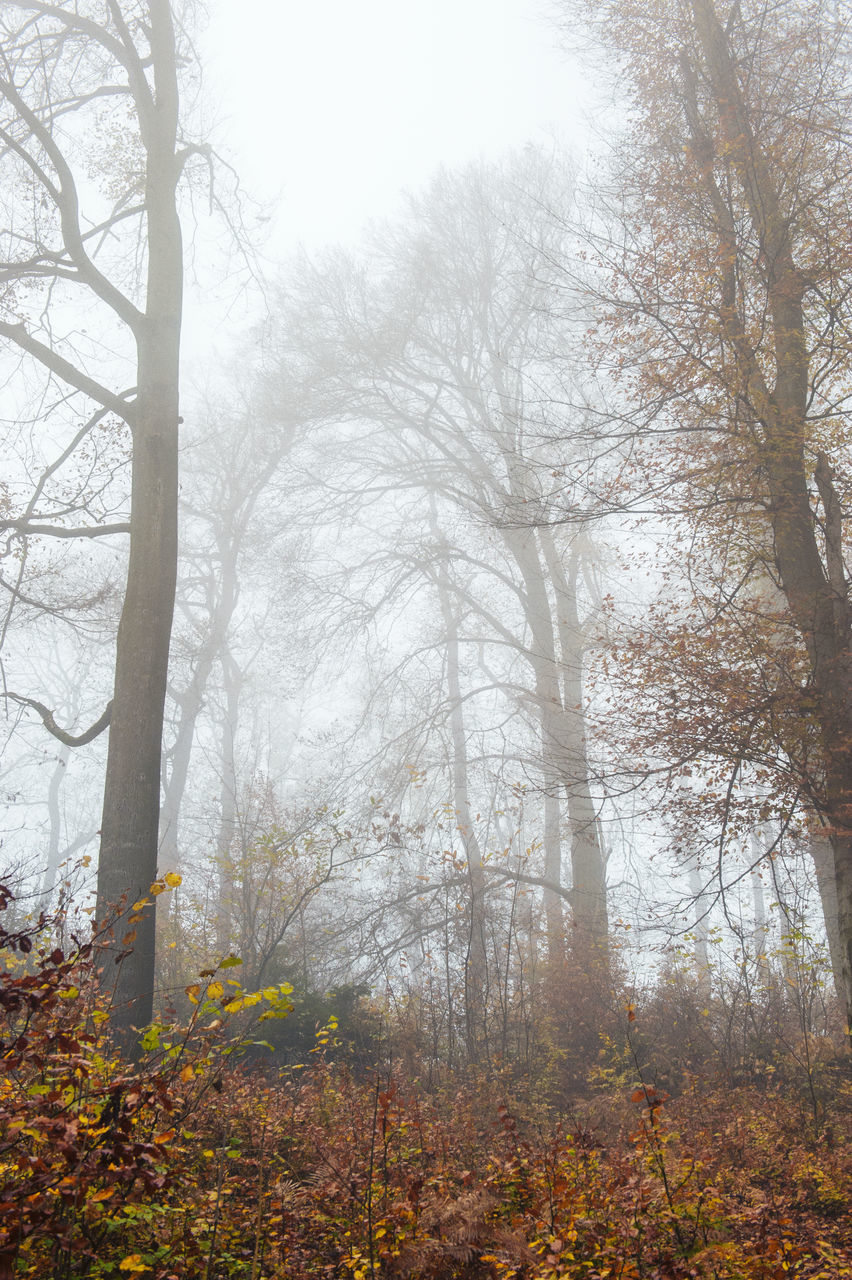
[[69, 739], [57, 531], [68, 372]]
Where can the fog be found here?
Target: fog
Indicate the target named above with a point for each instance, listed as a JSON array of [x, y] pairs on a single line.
[[485, 658]]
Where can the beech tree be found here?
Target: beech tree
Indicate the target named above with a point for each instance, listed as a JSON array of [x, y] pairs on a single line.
[[91, 156], [730, 320]]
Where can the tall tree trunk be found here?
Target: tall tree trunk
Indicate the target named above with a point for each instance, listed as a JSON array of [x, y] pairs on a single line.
[[225, 839], [476, 959], [128, 853], [823, 856], [700, 929], [548, 696], [55, 819], [588, 864]]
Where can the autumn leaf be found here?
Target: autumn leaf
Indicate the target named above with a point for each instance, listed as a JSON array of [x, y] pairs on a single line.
[[133, 1262]]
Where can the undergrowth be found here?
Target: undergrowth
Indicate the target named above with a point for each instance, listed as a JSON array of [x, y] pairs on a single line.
[[193, 1165]]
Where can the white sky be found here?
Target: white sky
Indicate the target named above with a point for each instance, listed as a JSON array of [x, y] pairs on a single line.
[[331, 107]]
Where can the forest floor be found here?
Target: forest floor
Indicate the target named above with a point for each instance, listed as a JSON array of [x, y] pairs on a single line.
[[387, 1164], [317, 1171]]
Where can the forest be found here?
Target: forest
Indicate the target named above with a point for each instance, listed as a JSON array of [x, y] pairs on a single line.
[[426, 778]]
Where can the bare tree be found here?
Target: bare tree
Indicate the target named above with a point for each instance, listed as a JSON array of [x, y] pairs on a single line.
[[90, 135], [446, 342]]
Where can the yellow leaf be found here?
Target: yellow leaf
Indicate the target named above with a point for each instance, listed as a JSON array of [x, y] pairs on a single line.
[[215, 990], [157, 888], [133, 1262], [172, 879], [193, 992], [187, 1074], [104, 1194], [162, 1139]]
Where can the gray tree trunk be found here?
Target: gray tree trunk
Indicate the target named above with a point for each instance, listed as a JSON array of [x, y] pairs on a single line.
[[129, 831]]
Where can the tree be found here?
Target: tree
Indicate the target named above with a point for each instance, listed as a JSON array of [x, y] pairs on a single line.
[[90, 135], [448, 339], [731, 314]]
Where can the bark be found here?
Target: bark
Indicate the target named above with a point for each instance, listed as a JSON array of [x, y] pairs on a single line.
[[128, 854]]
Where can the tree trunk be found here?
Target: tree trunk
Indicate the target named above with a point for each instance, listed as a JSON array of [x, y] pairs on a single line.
[[700, 929], [128, 854], [55, 818], [225, 839], [476, 959], [588, 864], [823, 856], [541, 654]]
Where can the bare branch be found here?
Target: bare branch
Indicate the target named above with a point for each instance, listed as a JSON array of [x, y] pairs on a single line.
[[68, 739]]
